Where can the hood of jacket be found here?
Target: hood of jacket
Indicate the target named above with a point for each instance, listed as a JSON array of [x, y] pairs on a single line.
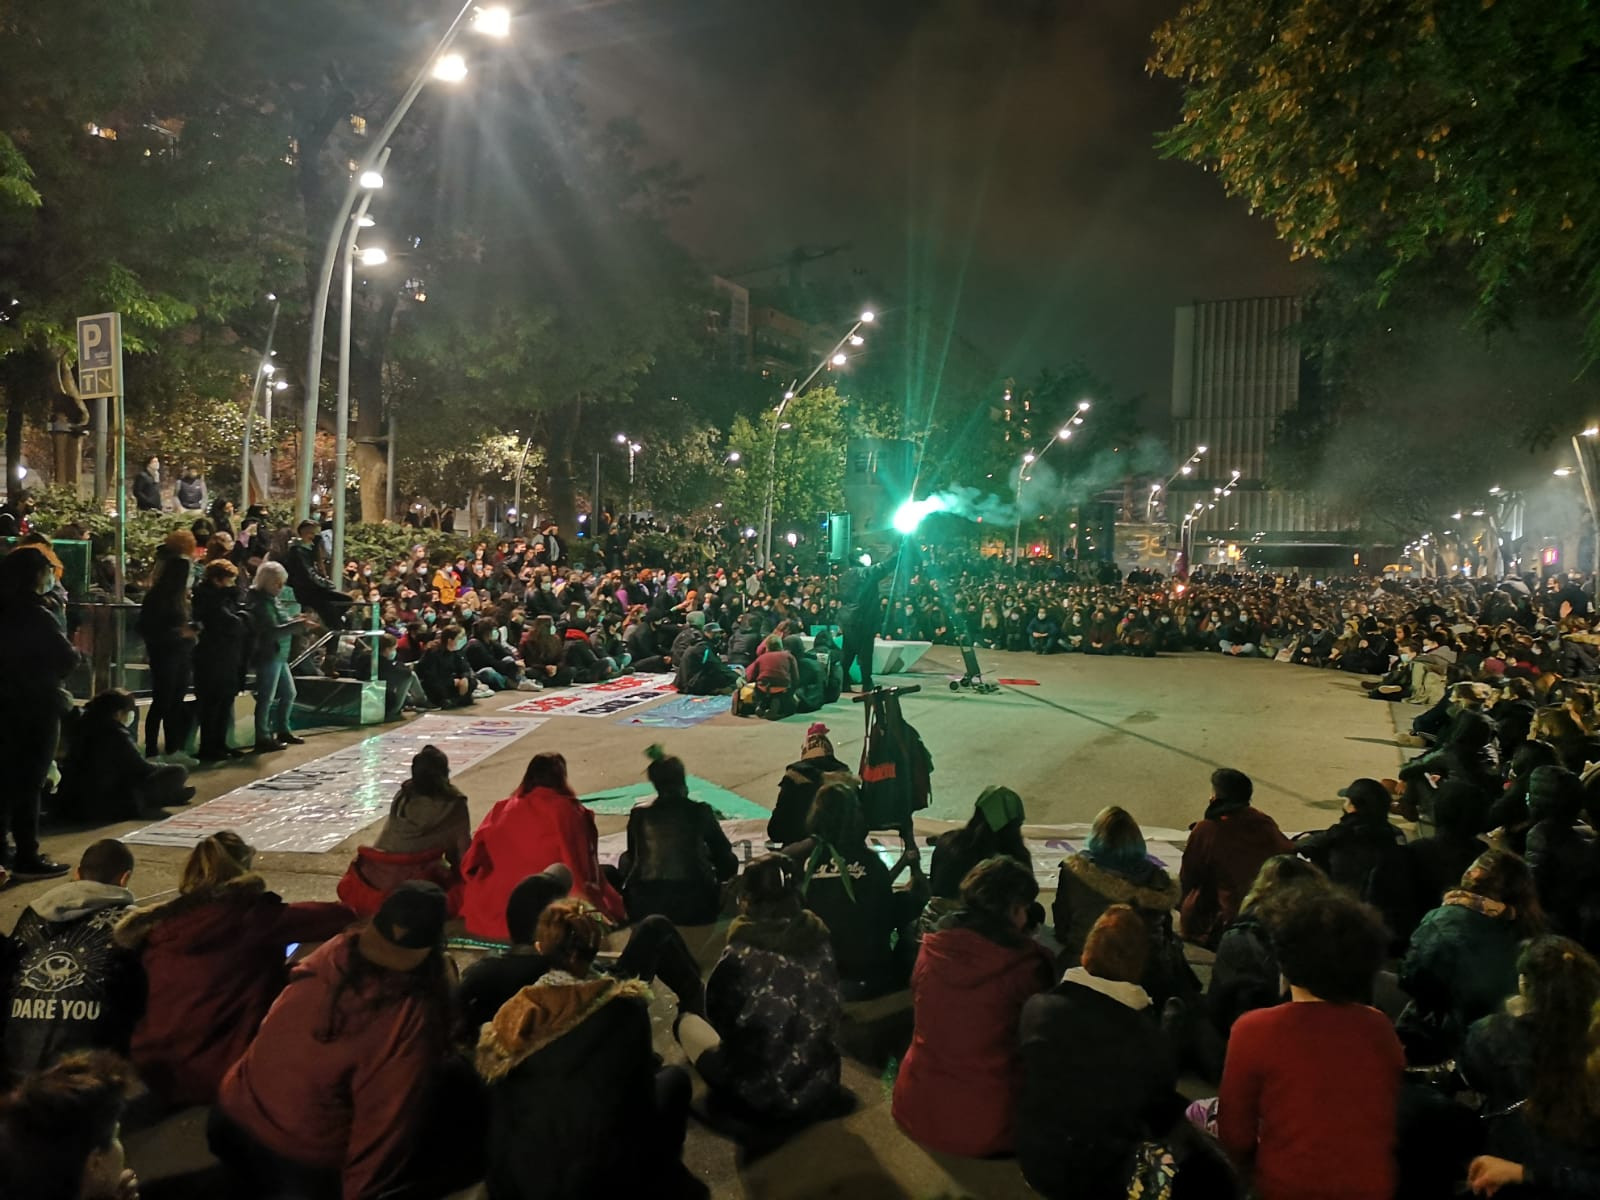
[[811, 770], [798, 936], [1153, 889], [1130, 994], [968, 959], [206, 919], [541, 1014], [80, 898]]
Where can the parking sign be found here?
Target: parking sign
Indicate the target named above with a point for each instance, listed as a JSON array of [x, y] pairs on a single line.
[[100, 355]]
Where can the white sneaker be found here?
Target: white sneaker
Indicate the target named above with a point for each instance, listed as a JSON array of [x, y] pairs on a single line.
[[529, 685], [482, 693]]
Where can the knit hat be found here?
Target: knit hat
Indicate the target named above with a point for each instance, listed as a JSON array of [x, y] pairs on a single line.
[[1554, 794], [407, 928], [1000, 807], [697, 619], [531, 897], [1118, 945], [816, 743]]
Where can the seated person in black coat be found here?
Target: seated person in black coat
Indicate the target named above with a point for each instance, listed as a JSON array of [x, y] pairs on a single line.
[[1098, 1076], [104, 777], [678, 857]]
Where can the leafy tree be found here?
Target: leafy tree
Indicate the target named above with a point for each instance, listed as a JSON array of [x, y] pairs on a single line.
[[1442, 142], [809, 457]]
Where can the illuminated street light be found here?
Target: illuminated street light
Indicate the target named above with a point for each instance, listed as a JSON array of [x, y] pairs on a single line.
[[374, 256], [451, 68], [1066, 432], [1592, 431], [281, 386], [365, 222], [1083, 406], [1028, 457], [1562, 472], [836, 357], [494, 21]]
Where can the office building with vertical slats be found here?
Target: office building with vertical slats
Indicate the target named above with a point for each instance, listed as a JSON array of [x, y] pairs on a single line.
[[1236, 368]]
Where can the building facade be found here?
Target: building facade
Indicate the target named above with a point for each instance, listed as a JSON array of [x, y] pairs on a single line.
[[1236, 369]]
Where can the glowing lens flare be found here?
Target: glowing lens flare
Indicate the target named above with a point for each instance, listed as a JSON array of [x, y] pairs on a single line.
[[913, 512]]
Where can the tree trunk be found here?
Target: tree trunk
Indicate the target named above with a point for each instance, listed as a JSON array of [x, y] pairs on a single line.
[[13, 448], [371, 453], [561, 481]]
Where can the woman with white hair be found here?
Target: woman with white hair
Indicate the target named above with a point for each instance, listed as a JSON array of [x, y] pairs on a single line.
[[269, 652]]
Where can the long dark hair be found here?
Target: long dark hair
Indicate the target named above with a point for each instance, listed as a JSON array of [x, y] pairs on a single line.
[[1503, 876], [978, 840], [1561, 983], [376, 988], [548, 770], [169, 587]]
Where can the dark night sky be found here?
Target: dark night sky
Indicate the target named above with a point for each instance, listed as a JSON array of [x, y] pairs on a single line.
[[990, 159]]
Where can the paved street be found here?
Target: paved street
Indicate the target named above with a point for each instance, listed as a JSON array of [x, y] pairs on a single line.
[[1143, 733]]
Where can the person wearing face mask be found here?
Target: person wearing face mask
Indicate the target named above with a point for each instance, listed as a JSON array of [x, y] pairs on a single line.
[[104, 777], [492, 664], [1043, 632], [443, 669], [35, 659]]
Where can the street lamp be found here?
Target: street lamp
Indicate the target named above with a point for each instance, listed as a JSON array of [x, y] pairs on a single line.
[[372, 256], [264, 371], [1061, 435], [835, 357], [493, 22], [633, 449]]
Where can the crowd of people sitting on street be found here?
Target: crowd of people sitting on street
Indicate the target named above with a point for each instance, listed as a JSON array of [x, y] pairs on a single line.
[[1381, 1015], [1403, 1004]]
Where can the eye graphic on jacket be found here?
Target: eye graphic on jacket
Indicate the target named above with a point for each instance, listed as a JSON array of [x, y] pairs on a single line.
[[53, 973]]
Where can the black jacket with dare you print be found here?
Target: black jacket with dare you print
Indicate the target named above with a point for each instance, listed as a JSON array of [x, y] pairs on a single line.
[[68, 987]]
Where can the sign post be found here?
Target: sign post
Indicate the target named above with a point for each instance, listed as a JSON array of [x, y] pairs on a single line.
[[100, 379]]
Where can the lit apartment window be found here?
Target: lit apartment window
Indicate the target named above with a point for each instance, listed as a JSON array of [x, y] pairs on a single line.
[[100, 131], [293, 156], [358, 125]]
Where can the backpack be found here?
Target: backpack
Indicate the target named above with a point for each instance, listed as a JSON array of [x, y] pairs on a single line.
[[896, 767]]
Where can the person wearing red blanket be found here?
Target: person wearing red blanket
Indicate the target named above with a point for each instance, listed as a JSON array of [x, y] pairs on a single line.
[[542, 822], [1310, 1088], [958, 1086]]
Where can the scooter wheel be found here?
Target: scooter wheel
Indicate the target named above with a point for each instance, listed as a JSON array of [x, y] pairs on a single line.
[[954, 686]]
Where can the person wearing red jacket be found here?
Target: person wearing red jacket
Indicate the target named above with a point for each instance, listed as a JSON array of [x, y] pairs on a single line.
[[1222, 857], [958, 1084], [214, 960], [540, 823], [332, 1095]]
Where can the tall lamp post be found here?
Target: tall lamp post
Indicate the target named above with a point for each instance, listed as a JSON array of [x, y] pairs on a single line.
[[264, 373], [633, 449], [1061, 435], [371, 257], [833, 357], [1184, 468], [492, 22]]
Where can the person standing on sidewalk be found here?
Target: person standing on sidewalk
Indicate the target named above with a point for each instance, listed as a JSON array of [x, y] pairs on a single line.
[[275, 690], [35, 659], [169, 637]]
